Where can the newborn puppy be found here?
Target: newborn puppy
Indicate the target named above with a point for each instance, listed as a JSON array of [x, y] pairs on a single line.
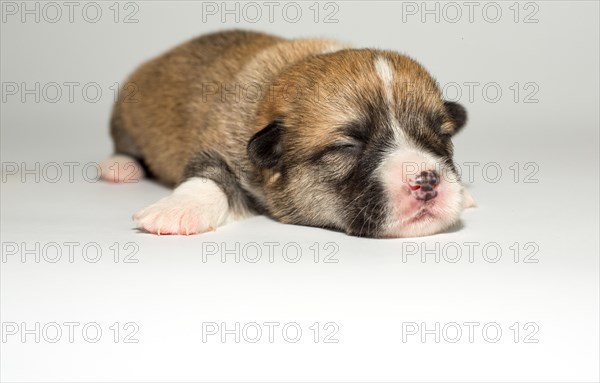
[[308, 132]]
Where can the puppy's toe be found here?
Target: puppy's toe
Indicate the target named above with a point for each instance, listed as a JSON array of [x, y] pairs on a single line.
[[174, 215]]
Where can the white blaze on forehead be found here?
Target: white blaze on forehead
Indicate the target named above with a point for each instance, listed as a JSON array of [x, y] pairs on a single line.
[[385, 72]]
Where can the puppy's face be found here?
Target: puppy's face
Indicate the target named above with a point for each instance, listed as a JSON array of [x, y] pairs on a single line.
[[359, 141]]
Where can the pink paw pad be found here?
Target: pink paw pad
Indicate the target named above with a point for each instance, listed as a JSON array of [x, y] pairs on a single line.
[[121, 169]]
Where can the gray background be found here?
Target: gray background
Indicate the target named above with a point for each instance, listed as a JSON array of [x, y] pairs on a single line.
[[550, 207]]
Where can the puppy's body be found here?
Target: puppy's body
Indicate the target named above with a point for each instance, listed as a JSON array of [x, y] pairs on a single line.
[[171, 116], [306, 131]]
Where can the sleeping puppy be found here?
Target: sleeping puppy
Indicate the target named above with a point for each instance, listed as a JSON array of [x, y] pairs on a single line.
[[308, 132]]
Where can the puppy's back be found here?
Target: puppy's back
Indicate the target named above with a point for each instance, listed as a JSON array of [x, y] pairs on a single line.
[[159, 117]]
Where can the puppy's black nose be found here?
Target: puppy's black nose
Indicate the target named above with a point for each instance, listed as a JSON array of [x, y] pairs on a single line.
[[427, 180], [425, 184]]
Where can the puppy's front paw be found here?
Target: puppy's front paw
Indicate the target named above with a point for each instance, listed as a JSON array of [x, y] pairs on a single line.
[[175, 215], [196, 206]]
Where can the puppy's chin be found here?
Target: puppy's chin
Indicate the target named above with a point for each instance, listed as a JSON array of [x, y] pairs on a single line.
[[428, 220], [410, 216]]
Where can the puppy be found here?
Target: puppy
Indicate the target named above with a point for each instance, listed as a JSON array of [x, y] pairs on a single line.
[[308, 132]]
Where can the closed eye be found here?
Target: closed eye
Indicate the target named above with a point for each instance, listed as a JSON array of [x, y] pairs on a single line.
[[339, 148], [346, 145], [343, 145], [352, 134]]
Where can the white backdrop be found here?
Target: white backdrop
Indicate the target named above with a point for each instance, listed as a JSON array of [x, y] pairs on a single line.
[[512, 295]]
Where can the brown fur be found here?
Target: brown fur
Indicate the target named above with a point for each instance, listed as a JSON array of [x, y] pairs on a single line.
[[316, 100], [170, 118], [316, 87]]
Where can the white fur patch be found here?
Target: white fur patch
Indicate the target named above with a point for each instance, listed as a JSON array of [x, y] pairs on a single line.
[[396, 172], [385, 72], [196, 206], [333, 47]]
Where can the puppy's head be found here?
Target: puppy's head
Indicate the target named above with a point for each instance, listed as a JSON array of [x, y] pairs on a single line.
[[359, 141]]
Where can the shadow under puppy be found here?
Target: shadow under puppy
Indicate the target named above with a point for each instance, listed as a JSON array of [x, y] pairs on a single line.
[[308, 132]]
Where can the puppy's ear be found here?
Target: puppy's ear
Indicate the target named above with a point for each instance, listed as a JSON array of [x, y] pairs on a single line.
[[264, 148], [458, 115]]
